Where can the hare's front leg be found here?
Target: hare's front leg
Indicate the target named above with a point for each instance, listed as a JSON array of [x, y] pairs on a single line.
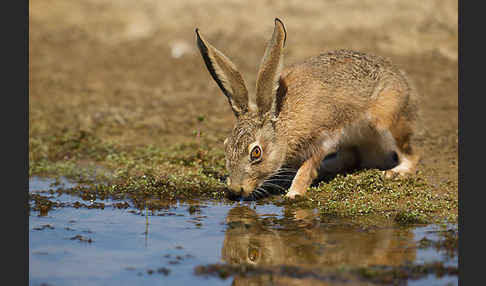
[[305, 175]]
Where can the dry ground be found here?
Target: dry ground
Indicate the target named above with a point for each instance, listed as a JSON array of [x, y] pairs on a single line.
[[129, 72]]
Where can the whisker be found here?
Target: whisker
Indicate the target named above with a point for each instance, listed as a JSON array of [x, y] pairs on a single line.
[[258, 193], [250, 197], [279, 180], [273, 185], [281, 176], [284, 173], [259, 189], [265, 192], [274, 191], [277, 184], [287, 170]]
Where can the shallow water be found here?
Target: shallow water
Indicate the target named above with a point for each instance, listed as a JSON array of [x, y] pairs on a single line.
[[112, 246]]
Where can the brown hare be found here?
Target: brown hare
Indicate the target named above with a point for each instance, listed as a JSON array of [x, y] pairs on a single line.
[[356, 106]]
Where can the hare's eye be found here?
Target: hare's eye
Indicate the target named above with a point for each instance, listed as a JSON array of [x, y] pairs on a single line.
[[253, 254], [256, 153]]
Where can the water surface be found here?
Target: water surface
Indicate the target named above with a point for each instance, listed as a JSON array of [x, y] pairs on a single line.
[[72, 245]]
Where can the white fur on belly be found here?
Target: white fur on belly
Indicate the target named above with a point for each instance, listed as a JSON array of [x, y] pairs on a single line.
[[374, 146]]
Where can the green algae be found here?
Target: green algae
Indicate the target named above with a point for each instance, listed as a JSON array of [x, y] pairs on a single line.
[[408, 200]]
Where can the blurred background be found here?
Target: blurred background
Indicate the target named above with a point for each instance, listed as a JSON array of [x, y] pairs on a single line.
[[130, 72]]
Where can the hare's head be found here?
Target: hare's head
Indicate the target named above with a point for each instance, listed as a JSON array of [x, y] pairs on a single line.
[[253, 151]]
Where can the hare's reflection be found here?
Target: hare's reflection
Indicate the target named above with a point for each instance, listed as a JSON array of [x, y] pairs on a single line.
[[305, 242]]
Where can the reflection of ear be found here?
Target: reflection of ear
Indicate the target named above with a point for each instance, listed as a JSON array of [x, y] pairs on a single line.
[[269, 71], [225, 74]]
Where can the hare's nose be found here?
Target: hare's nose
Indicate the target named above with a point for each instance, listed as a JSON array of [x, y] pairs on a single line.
[[238, 192], [237, 189]]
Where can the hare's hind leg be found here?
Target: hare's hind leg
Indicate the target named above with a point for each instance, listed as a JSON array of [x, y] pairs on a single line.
[[392, 115], [390, 152], [408, 158], [379, 151]]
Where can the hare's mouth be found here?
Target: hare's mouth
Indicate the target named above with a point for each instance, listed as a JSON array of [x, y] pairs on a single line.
[[276, 184]]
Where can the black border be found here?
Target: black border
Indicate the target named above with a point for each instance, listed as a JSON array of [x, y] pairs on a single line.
[[16, 125], [15, 114], [460, 157], [471, 124]]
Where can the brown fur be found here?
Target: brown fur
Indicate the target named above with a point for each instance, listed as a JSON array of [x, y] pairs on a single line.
[[335, 102]]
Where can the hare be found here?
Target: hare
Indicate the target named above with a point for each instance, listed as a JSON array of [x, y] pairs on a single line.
[[357, 106]]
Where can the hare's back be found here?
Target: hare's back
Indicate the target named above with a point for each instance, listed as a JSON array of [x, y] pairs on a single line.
[[356, 72]]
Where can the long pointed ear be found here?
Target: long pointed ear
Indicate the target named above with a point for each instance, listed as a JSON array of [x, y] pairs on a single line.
[[225, 74], [270, 68]]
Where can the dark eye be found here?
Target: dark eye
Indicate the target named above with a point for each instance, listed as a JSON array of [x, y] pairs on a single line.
[[256, 153]]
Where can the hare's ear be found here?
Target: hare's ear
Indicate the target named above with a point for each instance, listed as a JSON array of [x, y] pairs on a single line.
[[270, 68], [225, 74]]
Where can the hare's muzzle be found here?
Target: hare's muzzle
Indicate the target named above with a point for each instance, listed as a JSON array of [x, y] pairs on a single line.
[[239, 188], [236, 189]]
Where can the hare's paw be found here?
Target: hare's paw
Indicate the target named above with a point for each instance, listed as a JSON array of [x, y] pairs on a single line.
[[389, 174], [392, 174], [292, 193], [406, 167]]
